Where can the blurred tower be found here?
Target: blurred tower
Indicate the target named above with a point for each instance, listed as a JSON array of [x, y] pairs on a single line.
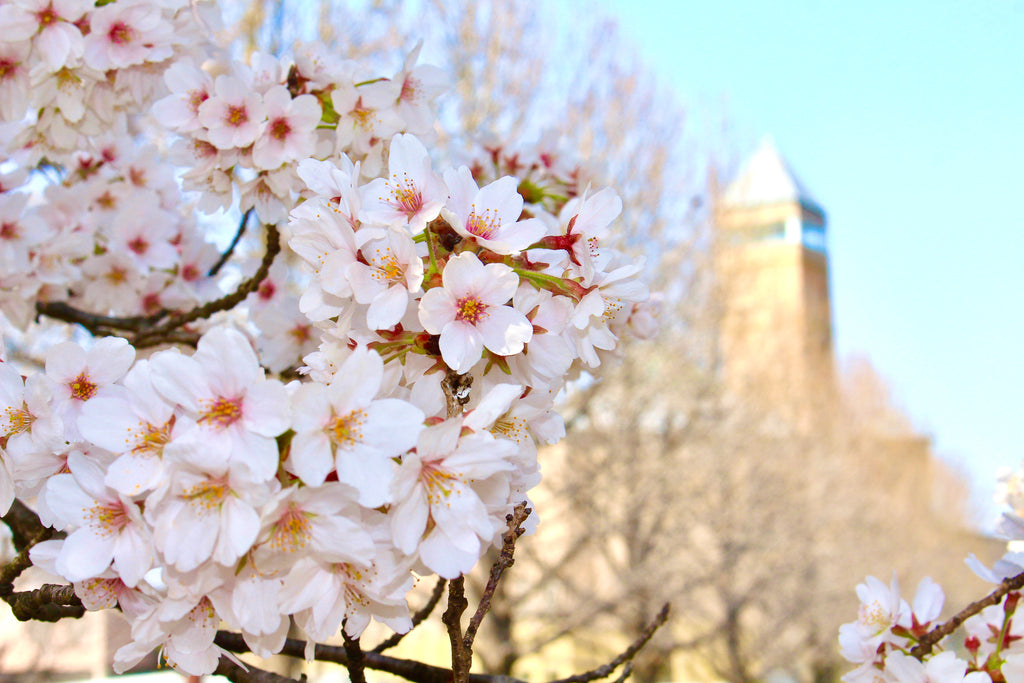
[[772, 272]]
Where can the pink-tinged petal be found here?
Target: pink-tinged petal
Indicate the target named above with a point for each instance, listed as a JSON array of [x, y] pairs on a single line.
[[67, 500], [85, 554], [497, 285], [387, 308], [438, 553], [131, 474], [462, 345], [265, 408], [186, 539], [6, 485], [257, 454], [229, 360], [502, 198], [109, 423], [438, 441], [408, 520], [311, 407], [461, 191], [371, 477], [357, 381], [65, 361], [343, 540], [133, 555], [179, 379], [464, 271], [392, 426], [239, 526], [505, 330], [109, 359], [437, 309], [303, 587], [89, 475], [311, 459]]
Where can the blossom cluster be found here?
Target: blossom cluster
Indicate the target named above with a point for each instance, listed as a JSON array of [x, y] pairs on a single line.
[[442, 310], [888, 630]]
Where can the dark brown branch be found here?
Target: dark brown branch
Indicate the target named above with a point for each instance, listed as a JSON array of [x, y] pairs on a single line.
[[504, 561], [98, 325], [48, 603], [231, 247], [20, 563], [233, 672], [417, 619], [158, 334], [462, 656], [24, 524], [148, 330], [626, 656], [356, 660], [928, 640], [411, 670]]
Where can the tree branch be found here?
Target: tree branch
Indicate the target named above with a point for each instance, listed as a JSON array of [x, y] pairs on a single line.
[[356, 661], [417, 619], [20, 563], [148, 330], [504, 561], [237, 674], [626, 656], [462, 656], [231, 247], [928, 640], [411, 670], [47, 603], [24, 524]]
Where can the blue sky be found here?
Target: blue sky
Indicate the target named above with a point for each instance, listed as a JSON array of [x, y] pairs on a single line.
[[906, 122]]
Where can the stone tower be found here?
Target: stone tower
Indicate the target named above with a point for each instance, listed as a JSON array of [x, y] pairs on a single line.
[[773, 282]]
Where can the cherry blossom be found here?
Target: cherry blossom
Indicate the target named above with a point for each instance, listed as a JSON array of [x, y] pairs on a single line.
[[469, 314]]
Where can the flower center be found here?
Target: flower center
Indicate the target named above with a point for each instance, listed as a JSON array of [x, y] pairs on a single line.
[[7, 68], [151, 439], [81, 388], [440, 483], [301, 334], [408, 199], [485, 226], [9, 231], [292, 531], [236, 116], [279, 129], [108, 518], [195, 98], [346, 430], [387, 268], [222, 412], [470, 309], [206, 495], [512, 428], [139, 245], [120, 33], [116, 275], [18, 420]]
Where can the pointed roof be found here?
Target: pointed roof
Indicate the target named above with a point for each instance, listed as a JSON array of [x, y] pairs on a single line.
[[767, 179]]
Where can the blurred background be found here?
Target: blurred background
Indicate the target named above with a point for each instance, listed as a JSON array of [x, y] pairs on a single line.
[[828, 199]]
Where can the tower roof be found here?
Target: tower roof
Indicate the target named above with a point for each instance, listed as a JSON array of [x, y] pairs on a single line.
[[766, 178]]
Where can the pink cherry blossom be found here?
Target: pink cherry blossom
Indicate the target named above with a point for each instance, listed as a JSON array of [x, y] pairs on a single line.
[[469, 314]]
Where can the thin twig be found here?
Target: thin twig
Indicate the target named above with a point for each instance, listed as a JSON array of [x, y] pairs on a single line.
[[456, 391], [417, 619], [627, 655], [504, 561], [231, 247], [928, 640], [356, 661], [462, 656]]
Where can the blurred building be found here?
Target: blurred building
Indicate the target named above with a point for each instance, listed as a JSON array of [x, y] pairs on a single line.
[[772, 271]]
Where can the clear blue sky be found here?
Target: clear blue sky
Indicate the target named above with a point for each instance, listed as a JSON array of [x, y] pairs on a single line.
[[906, 121]]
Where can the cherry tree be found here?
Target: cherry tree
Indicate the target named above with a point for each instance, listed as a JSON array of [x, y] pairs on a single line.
[[218, 451]]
